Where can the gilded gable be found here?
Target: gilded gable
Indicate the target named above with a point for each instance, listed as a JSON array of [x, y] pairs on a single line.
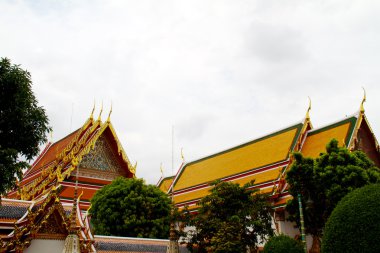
[[102, 157]]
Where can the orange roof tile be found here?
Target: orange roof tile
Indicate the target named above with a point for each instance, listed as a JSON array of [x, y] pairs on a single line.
[[52, 152]]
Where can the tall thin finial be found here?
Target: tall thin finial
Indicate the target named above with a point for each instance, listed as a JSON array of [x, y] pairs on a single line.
[[109, 115], [364, 99], [100, 114], [161, 170], [92, 112], [172, 149], [71, 117], [308, 109], [182, 156]]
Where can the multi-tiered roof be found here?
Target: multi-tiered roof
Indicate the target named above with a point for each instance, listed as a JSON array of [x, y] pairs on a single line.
[[94, 149], [266, 160]]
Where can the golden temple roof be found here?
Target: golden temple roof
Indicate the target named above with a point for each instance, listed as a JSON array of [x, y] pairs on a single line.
[[58, 160], [317, 139], [252, 155], [164, 183]]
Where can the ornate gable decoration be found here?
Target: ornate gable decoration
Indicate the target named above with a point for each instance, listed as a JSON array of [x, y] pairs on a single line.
[[101, 157]]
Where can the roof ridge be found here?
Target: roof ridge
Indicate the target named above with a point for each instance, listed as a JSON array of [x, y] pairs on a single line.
[[356, 115]]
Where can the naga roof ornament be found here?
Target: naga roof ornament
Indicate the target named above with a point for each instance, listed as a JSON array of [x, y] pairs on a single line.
[[363, 100]]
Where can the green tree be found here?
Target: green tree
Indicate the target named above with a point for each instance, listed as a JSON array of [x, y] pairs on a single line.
[[283, 244], [129, 207], [230, 219], [354, 224], [23, 124], [322, 182]]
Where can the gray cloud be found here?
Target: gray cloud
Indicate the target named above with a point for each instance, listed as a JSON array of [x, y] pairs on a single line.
[[221, 72]]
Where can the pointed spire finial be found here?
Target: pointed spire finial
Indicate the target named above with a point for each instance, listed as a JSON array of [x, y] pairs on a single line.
[[100, 114], [92, 112], [364, 99], [162, 170], [308, 109], [182, 156], [109, 115]]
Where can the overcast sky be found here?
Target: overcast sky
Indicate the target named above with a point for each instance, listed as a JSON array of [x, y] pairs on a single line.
[[221, 72]]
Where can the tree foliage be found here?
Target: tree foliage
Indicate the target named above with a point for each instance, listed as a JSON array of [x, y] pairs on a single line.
[[283, 244], [230, 219], [23, 124], [129, 207], [354, 225], [322, 182]]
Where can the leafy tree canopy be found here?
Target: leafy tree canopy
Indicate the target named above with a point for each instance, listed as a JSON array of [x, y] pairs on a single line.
[[129, 207], [283, 244], [354, 225], [23, 124], [322, 182], [230, 219]]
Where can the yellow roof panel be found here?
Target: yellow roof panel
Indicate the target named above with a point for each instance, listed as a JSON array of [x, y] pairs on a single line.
[[316, 140], [165, 183], [255, 154], [262, 177]]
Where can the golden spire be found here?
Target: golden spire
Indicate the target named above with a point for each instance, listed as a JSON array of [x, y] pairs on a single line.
[[182, 156], [92, 112], [162, 170], [109, 115], [364, 99], [307, 117], [100, 114]]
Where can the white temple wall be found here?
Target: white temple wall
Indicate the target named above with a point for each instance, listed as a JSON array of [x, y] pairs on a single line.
[[45, 246]]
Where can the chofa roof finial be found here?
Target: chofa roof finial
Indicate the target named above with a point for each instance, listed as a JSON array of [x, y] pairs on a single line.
[[109, 115], [92, 112], [308, 109], [100, 114], [363, 100]]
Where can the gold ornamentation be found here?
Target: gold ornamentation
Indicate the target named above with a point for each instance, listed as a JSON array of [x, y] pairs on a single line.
[[363, 100]]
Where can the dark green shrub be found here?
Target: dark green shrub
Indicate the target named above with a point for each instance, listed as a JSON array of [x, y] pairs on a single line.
[[354, 225], [283, 244]]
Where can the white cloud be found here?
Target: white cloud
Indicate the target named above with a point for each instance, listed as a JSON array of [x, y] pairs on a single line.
[[221, 72]]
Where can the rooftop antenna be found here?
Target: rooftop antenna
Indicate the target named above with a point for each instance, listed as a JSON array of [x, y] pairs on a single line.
[[173, 241], [71, 118], [172, 149]]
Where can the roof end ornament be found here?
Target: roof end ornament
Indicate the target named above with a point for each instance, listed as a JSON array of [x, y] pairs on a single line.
[[363, 100], [92, 112], [100, 114], [307, 117], [109, 115]]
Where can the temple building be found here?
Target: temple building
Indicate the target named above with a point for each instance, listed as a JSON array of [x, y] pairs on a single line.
[[94, 149], [49, 211], [266, 161]]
